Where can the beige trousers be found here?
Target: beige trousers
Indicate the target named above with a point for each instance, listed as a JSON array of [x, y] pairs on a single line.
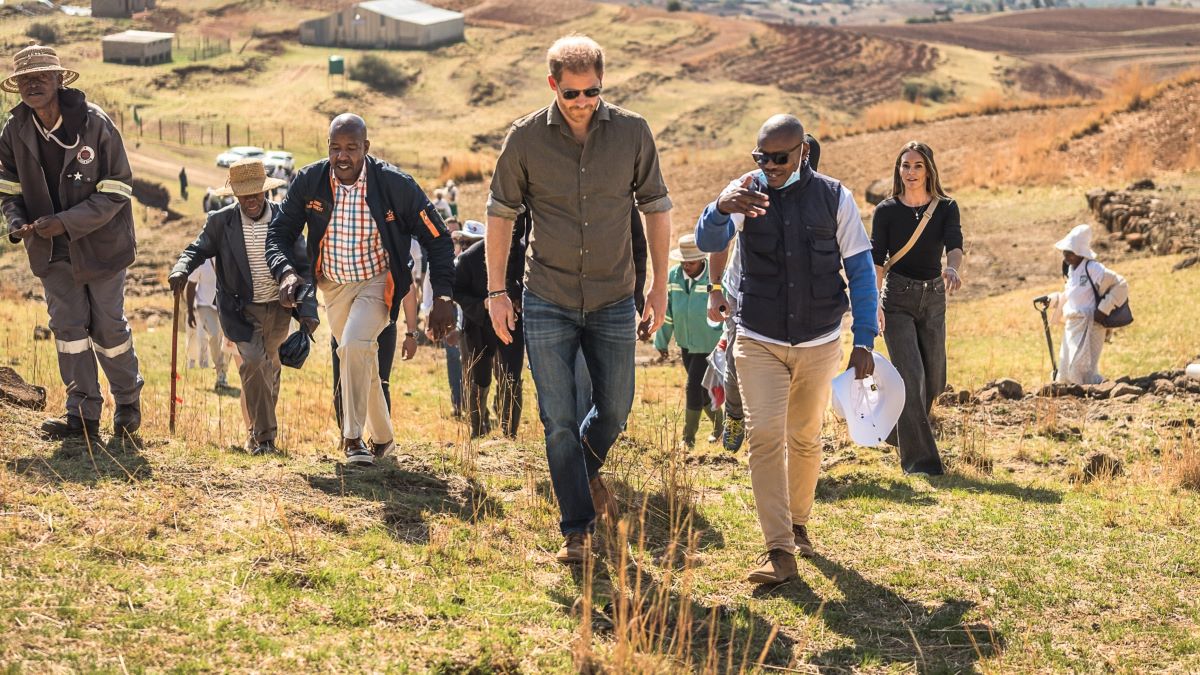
[[357, 314], [785, 391]]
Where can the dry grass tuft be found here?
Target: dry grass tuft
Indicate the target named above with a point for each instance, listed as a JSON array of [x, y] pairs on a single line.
[[1183, 465]]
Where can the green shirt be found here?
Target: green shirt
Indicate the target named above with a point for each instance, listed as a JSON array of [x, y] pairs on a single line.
[[580, 252], [687, 314]]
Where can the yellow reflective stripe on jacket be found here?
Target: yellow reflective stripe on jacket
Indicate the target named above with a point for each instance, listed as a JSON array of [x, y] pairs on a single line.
[[8, 187], [115, 187]]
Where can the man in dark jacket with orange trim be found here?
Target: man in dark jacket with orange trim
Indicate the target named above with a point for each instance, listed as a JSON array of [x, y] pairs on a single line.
[[65, 189], [361, 215]]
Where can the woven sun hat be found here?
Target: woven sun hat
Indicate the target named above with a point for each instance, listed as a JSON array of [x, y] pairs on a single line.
[[687, 250], [472, 229], [1078, 241], [249, 177], [36, 59], [871, 406]]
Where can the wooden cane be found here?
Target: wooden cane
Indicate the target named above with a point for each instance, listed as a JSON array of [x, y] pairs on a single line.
[[174, 356]]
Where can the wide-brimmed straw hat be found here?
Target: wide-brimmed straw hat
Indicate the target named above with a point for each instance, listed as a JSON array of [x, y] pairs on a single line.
[[687, 251], [1078, 241], [249, 177], [36, 59]]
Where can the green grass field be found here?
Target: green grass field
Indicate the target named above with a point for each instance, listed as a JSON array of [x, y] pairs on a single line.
[[186, 554]]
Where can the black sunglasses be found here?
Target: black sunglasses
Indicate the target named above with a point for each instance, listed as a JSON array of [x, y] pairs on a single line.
[[572, 94], [761, 158]]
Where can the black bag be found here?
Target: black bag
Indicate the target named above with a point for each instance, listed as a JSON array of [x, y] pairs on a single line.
[[294, 350], [1121, 315]]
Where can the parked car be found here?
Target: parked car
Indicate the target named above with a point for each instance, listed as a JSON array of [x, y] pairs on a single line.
[[275, 158], [227, 158]]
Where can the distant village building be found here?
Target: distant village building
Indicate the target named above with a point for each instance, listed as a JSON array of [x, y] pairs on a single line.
[[385, 24], [138, 47], [120, 9]]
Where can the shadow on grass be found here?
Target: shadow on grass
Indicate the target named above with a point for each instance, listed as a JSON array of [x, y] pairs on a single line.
[[887, 628], [859, 484], [693, 635], [662, 518], [78, 461], [863, 484], [410, 492]]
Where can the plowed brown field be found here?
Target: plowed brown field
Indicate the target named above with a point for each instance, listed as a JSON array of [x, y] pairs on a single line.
[[1060, 30], [854, 70]]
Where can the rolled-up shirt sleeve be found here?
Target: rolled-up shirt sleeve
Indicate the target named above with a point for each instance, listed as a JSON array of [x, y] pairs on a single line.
[[649, 188], [510, 180]]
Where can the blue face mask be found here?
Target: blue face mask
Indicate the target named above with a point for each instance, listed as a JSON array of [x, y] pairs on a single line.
[[762, 178]]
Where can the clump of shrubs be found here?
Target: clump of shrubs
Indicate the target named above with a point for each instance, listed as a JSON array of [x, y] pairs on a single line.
[[44, 33], [381, 75]]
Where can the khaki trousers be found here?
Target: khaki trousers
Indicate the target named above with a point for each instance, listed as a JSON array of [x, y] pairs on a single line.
[[357, 314], [260, 367], [785, 391]]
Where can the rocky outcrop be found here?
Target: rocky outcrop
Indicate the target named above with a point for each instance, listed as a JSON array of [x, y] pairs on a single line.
[[15, 390], [1145, 218]]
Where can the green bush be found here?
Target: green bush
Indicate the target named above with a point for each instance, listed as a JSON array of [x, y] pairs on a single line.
[[44, 33], [674, 6], [380, 75]]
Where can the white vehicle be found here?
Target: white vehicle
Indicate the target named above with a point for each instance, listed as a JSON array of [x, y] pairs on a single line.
[[227, 158], [275, 158]]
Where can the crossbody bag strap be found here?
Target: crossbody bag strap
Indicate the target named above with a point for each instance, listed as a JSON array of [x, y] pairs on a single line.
[[912, 241]]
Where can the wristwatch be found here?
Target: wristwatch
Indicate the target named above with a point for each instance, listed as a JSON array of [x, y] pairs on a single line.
[[412, 334], [869, 349], [715, 287], [445, 298]]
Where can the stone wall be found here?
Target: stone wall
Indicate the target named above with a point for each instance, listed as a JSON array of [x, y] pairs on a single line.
[[1147, 218]]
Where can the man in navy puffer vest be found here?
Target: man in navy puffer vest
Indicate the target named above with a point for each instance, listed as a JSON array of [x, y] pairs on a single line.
[[798, 230]]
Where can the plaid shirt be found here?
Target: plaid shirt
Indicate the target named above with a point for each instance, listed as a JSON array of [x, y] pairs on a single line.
[[353, 250]]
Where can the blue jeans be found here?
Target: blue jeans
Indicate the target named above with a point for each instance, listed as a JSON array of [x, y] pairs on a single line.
[[576, 451]]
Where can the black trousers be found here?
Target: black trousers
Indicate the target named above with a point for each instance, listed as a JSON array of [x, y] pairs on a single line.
[[915, 315], [485, 357], [387, 354], [696, 363]]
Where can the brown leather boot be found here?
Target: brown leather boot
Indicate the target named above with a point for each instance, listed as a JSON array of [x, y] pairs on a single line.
[[573, 549], [803, 544], [603, 501], [777, 567]]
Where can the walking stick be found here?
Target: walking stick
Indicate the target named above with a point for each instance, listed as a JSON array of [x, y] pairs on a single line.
[[174, 357], [1042, 304]]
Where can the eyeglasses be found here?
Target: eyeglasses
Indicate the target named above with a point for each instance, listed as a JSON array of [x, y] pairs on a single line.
[[572, 94], [762, 158]]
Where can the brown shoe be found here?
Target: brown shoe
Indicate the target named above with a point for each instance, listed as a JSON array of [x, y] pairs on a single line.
[[572, 550], [777, 567], [603, 501], [803, 545]]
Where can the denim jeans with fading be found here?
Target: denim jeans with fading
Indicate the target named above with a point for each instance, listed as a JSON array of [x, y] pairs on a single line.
[[915, 333], [576, 451]]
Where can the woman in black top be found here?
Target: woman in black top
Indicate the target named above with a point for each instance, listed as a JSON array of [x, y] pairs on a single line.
[[913, 288]]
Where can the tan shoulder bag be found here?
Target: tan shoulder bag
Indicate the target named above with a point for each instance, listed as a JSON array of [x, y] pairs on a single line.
[[912, 241]]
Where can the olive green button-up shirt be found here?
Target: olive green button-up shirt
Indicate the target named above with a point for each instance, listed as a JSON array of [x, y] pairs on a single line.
[[580, 253]]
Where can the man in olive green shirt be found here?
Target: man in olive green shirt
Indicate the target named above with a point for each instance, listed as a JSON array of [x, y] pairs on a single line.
[[580, 165]]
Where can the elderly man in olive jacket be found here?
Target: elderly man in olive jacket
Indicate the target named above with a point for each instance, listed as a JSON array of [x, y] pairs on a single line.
[[65, 190]]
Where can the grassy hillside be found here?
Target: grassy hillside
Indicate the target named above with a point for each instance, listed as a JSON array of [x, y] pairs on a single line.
[[183, 553]]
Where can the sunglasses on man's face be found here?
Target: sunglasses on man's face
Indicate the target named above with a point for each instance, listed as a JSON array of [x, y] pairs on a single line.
[[572, 94], [763, 158]]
